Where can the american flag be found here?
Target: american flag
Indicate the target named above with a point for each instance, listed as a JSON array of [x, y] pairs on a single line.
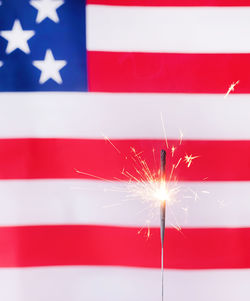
[[71, 72]]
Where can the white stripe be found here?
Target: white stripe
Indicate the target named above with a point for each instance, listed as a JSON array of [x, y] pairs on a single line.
[[123, 284], [90, 115], [168, 29], [38, 202]]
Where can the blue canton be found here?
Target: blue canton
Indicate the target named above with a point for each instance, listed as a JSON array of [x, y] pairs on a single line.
[[43, 45]]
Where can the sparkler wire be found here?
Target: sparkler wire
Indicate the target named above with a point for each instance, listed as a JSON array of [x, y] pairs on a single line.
[[163, 217], [151, 186]]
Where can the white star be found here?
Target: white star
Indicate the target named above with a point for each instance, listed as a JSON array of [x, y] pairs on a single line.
[[50, 68], [47, 9], [17, 38], [1, 63]]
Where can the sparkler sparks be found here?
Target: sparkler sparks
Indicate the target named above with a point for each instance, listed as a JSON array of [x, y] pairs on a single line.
[[148, 186], [181, 137], [163, 216], [173, 150], [189, 159], [231, 88], [148, 233], [107, 139], [164, 130], [158, 187], [155, 188], [144, 182]]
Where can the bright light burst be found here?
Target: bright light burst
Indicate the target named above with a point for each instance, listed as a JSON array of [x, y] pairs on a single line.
[[146, 184]]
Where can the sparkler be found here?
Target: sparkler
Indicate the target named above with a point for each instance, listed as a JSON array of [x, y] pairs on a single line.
[[154, 187], [163, 217]]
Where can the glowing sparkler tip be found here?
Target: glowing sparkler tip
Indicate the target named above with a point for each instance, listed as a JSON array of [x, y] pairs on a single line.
[[163, 196]]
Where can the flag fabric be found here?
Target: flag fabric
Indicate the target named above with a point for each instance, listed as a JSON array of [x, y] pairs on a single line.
[[72, 73]]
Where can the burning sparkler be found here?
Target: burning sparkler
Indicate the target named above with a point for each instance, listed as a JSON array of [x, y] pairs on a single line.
[[163, 216], [157, 188]]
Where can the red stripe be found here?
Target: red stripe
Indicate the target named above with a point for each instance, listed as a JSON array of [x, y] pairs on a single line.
[[115, 246], [171, 2], [167, 72], [57, 158]]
